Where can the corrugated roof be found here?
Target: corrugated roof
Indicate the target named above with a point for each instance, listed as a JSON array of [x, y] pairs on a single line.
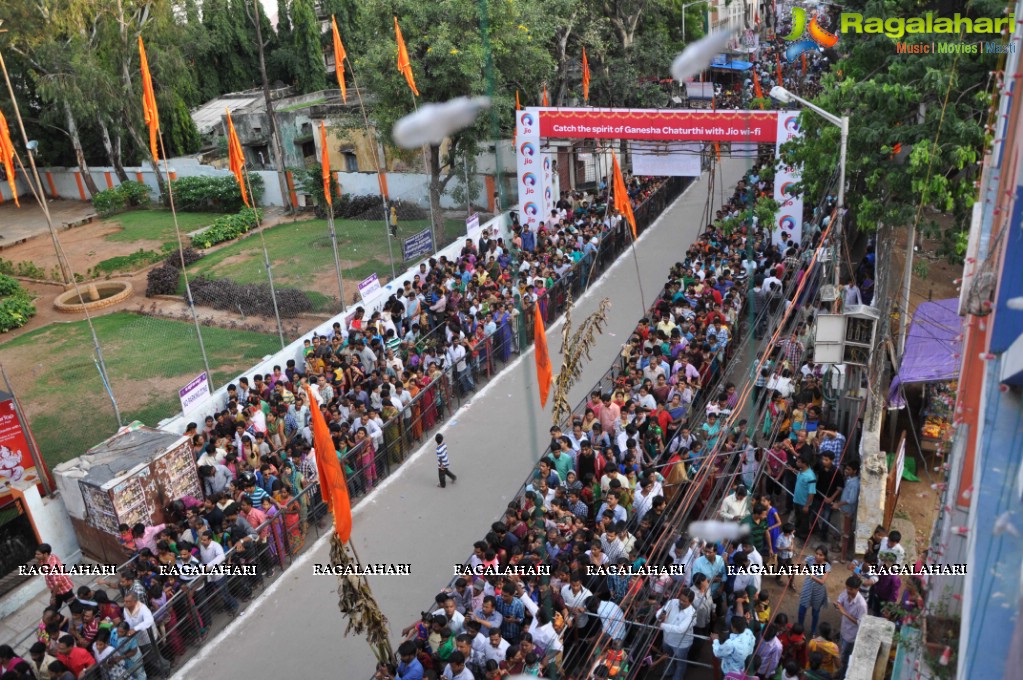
[[208, 116], [130, 448]]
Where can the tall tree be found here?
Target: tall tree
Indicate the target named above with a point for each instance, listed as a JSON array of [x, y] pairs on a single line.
[[311, 70], [446, 45]]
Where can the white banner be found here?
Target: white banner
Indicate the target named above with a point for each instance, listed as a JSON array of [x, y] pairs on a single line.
[[788, 223], [368, 286], [536, 190], [472, 226], [666, 159], [194, 395]]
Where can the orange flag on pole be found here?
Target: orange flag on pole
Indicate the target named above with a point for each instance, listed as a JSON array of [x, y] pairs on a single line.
[[757, 90], [717, 150], [339, 60], [586, 77], [544, 101], [149, 112], [7, 156], [235, 157], [326, 164], [331, 476], [777, 61], [802, 59], [544, 371], [518, 106], [404, 63], [622, 203]]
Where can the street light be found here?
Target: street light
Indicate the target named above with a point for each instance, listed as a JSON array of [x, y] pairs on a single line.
[[784, 96], [706, 20]]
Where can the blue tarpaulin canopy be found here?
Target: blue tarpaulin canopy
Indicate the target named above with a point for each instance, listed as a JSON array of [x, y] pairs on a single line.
[[933, 347], [723, 62]]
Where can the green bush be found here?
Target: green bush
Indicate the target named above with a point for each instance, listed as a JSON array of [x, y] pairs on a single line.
[[8, 286], [28, 269], [109, 201], [127, 263], [126, 195], [227, 228], [15, 311], [215, 194]]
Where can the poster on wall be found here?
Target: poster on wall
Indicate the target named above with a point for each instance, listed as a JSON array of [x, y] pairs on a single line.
[[130, 500], [99, 509], [175, 475], [15, 459]]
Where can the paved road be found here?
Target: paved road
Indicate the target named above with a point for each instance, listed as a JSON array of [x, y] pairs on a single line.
[[295, 627]]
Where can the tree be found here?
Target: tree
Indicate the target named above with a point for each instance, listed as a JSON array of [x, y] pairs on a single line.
[[894, 102], [311, 70], [446, 46]]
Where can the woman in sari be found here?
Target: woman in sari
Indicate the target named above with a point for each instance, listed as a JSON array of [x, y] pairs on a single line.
[[427, 404], [128, 649], [504, 333], [392, 430], [165, 608], [293, 523], [278, 548], [412, 381], [295, 483], [366, 463], [275, 431]]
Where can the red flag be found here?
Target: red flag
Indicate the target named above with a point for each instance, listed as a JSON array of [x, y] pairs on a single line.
[[781, 80], [404, 63], [586, 77], [545, 102], [235, 157], [802, 58], [544, 372], [331, 476], [7, 156], [149, 111], [622, 203], [339, 60], [325, 164], [897, 149]]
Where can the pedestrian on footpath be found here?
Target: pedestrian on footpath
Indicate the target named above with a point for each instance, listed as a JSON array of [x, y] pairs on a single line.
[[442, 462]]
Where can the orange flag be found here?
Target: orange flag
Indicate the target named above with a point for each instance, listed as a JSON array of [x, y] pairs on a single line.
[[149, 111], [326, 164], [544, 101], [518, 106], [7, 156], [717, 150], [777, 61], [544, 372], [515, 129], [622, 203], [757, 90], [339, 60], [331, 476], [235, 157], [586, 77], [404, 64], [802, 58]]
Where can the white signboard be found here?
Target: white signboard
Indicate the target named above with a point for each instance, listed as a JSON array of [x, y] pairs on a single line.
[[666, 159], [472, 226], [194, 395], [788, 223], [369, 286]]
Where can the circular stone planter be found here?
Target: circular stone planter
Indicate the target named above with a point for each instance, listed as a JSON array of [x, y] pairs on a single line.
[[94, 296]]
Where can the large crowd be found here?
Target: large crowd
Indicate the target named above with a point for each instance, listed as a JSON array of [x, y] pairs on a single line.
[[382, 380]]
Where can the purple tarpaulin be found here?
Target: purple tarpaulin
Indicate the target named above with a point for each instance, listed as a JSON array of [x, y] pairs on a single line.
[[933, 347]]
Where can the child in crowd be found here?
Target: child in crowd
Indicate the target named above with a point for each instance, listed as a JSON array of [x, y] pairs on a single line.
[[442, 462], [784, 548]]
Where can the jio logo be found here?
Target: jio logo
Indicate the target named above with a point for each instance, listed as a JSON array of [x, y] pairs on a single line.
[[531, 209], [529, 179], [526, 119], [787, 223], [792, 125], [527, 149]]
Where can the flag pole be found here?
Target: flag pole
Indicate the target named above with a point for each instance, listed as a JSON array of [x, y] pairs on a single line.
[[266, 256], [378, 166], [181, 255], [40, 196], [426, 167], [337, 257]]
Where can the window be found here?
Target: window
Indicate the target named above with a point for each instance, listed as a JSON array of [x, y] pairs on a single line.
[[257, 130], [351, 162]]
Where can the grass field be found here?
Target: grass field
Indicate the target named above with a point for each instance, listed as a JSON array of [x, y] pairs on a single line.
[[300, 253], [156, 225], [54, 374]]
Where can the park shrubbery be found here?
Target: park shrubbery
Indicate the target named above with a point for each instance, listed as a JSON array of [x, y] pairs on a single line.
[[163, 280], [16, 306], [214, 194], [127, 195], [227, 228], [191, 257], [250, 299]]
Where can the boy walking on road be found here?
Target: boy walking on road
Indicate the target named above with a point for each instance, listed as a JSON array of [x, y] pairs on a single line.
[[442, 462]]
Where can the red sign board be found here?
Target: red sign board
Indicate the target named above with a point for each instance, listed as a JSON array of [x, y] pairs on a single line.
[[694, 125], [15, 459]]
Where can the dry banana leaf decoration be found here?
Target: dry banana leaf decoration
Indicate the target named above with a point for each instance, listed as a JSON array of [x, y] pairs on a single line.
[[575, 346], [356, 602]]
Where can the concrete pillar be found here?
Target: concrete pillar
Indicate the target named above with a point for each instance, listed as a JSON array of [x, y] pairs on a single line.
[[873, 484], [92, 293], [869, 659]]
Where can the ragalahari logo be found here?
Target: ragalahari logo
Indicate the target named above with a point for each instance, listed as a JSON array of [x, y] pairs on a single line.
[[819, 37]]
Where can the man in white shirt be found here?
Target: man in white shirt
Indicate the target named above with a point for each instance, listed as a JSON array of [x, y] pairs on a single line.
[[497, 646], [735, 506], [139, 617], [677, 619], [574, 595], [211, 554], [456, 621]]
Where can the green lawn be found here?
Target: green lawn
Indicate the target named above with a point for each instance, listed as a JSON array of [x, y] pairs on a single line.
[[147, 361], [301, 251], [156, 225]]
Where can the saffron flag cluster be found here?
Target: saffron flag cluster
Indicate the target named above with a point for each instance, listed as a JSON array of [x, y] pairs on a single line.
[[332, 478], [622, 203], [149, 111], [7, 156], [544, 372], [235, 157]]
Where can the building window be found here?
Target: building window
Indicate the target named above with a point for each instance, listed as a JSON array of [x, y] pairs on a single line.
[[309, 149], [257, 130], [351, 162]]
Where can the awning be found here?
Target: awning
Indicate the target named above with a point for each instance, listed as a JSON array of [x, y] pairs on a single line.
[[732, 65], [933, 347]]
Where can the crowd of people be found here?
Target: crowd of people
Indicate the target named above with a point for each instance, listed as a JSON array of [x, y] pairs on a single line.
[[674, 441], [383, 380]]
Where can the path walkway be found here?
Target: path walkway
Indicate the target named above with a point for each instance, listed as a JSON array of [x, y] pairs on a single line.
[[295, 626]]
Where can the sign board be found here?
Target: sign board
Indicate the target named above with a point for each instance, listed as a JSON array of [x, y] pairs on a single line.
[[900, 463], [193, 396], [788, 222], [369, 286], [15, 459], [472, 226], [418, 245]]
